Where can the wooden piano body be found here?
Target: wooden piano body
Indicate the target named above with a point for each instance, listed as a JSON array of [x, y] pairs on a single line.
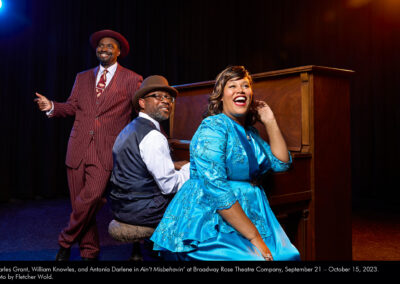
[[313, 199]]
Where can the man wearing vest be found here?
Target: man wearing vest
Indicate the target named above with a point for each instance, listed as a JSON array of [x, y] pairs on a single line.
[[144, 178], [101, 101]]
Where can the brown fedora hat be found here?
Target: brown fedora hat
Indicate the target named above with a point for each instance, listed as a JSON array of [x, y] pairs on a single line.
[[151, 84], [123, 43]]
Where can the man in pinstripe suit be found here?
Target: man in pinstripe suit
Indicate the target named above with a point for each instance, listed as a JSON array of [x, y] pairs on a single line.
[[101, 101]]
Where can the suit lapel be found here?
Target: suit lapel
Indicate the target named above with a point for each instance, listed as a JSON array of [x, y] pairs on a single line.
[[107, 96], [93, 78], [92, 86], [110, 86]]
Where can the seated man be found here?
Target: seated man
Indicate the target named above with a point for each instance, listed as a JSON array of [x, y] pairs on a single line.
[[144, 178]]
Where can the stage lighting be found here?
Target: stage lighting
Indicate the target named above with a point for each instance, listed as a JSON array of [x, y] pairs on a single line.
[[1, 4]]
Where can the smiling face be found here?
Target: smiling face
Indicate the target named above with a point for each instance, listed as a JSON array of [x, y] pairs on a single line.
[[236, 99], [156, 109], [107, 51]]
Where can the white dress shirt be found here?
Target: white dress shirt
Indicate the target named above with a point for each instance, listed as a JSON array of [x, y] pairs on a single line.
[[110, 74], [154, 150]]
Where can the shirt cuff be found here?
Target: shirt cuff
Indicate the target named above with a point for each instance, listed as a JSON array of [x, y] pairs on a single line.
[[50, 112], [185, 170]]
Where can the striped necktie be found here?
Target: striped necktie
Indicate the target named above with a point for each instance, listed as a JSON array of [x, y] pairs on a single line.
[[101, 85]]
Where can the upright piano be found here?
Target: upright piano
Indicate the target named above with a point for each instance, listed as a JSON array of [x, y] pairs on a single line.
[[312, 200]]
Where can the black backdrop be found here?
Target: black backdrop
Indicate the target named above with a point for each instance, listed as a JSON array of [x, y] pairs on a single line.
[[43, 44]]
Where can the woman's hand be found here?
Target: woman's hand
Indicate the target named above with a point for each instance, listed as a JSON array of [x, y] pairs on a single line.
[[264, 111], [259, 243], [276, 140], [239, 220]]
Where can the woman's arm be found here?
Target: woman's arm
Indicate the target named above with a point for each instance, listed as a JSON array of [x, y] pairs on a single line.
[[276, 140], [238, 219]]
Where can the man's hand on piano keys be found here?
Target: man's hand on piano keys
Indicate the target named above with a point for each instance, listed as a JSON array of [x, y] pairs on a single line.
[[179, 164]]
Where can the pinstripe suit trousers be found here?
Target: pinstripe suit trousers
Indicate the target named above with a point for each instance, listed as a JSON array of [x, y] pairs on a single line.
[[87, 185]]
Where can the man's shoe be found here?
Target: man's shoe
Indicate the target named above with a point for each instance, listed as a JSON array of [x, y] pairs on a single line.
[[63, 254]]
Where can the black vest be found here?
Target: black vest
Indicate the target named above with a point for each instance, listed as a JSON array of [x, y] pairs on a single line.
[[135, 197]]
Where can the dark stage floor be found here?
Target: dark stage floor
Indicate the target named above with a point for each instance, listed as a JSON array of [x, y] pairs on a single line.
[[29, 231]]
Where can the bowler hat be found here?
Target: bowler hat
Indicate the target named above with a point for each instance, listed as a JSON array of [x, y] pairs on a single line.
[[150, 84], [123, 42]]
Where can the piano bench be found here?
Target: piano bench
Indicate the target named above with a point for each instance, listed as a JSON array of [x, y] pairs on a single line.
[[128, 233]]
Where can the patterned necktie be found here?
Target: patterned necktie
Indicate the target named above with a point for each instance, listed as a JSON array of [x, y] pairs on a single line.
[[101, 85]]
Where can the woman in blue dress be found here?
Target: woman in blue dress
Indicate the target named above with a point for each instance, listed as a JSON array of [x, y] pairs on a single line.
[[220, 213]]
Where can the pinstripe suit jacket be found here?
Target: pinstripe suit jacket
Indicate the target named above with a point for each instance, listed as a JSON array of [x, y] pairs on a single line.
[[99, 118]]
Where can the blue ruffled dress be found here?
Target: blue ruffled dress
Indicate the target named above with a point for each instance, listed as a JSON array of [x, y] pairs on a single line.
[[224, 158]]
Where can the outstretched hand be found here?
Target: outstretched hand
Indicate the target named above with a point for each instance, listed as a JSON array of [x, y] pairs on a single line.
[[43, 103]]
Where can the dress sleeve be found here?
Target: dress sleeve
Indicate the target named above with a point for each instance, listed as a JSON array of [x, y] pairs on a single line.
[[266, 158], [209, 156]]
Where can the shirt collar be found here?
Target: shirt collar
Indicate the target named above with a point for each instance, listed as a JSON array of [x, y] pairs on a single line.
[[145, 115], [111, 70]]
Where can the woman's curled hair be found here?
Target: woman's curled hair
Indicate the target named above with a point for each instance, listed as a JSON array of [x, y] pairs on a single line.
[[215, 99]]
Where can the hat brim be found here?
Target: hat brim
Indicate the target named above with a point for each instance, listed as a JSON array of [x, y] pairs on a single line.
[[123, 42], [144, 91]]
